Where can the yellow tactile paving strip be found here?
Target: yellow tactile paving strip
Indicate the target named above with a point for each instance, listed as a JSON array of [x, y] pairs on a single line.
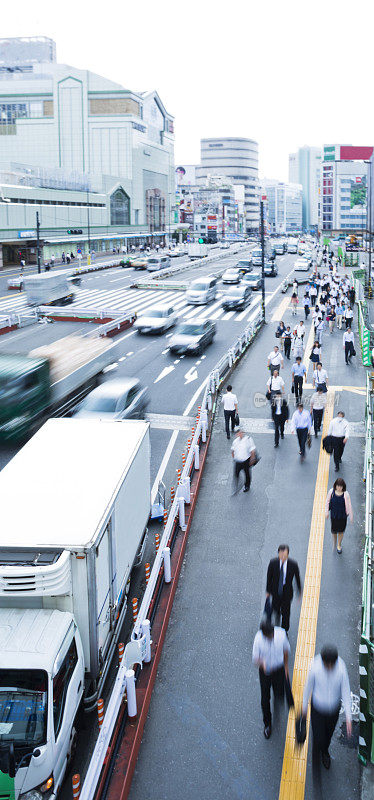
[[280, 310], [292, 785]]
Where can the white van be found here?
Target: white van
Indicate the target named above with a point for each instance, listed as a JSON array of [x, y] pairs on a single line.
[[158, 262], [202, 290]]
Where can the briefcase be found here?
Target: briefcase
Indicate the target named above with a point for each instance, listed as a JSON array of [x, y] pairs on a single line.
[[300, 729], [236, 420], [288, 691], [327, 444]]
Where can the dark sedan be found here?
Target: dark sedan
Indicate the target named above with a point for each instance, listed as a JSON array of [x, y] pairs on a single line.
[[238, 298], [192, 337], [270, 269]]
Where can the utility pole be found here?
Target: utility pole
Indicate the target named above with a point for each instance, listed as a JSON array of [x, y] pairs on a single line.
[[38, 241], [88, 227], [370, 234], [262, 259]]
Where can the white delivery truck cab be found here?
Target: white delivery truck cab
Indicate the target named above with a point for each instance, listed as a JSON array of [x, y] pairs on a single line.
[[75, 505]]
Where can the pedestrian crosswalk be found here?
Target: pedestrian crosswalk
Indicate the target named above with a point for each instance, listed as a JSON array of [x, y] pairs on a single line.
[[126, 300]]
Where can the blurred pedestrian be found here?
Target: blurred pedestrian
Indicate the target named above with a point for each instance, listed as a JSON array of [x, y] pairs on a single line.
[[279, 335], [306, 304], [339, 431], [280, 414], [270, 653], [230, 409], [349, 345], [339, 314], [243, 452], [327, 685], [301, 425], [280, 576], [294, 303], [318, 402], [348, 316], [313, 294], [287, 338], [297, 376], [339, 507], [320, 378], [315, 355]]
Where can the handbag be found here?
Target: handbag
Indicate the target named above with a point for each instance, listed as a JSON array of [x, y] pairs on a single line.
[[327, 444], [309, 440], [288, 691], [236, 420], [300, 729], [256, 458], [293, 389], [268, 393]]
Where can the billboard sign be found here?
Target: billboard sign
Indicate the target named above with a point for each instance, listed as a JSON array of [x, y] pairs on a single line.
[[358, 193]]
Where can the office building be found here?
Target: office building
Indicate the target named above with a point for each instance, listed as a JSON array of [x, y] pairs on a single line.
[[284, 206], [236, 159], [305, 168], [344, 188], [73, 123], [212, 211]]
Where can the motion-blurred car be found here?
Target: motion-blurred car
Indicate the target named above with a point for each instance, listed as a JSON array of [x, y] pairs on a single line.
[[237, 297], [121, 398], [175, 252], [252, 279], [244, 265], [156, 320], [192, 337], [270, 269], [231, 276], [225, 245], [301, 265], [138, 263]]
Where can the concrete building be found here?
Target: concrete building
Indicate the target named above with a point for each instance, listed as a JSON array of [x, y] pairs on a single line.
[[305, 168], [237, 159], [72, 122], [212, 211], [284, 206], [344, 188]]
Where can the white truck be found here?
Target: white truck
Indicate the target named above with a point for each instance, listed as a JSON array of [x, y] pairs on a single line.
[[292, 245], [49, 288], [75, 505], [196, 250]]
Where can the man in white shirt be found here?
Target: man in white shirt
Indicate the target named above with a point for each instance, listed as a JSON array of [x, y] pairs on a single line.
[[313, 295], [230, 409], [275, 360], [317, 406], [270, 653], [300, 330], [301, 424], [327, 684], [349, 345], [275, 384], [243, 452], [339, 432], [320, 377], [348, 316]]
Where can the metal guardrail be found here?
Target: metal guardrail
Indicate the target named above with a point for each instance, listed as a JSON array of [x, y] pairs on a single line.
[[366, 652], [141, 632]]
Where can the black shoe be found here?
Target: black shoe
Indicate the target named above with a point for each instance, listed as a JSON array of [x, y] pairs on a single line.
[[267, 731], [276, 445], [336, 468], [316, 435], [326, 760], [282, 435], [246, 489], [228, 435]]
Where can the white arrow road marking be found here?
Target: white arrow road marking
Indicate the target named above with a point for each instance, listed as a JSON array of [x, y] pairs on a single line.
[[191, 375], [165, 351], [164, 372]]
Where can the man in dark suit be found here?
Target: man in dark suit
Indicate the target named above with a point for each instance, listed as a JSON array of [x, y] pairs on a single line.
[[281, 572]]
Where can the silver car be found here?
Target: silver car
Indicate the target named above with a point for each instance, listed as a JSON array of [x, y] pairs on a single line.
[[192, 337], [121, 398], [231, 276], [156, 320]]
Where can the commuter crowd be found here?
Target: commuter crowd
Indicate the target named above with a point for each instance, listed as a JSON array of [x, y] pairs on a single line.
[[329, 299]]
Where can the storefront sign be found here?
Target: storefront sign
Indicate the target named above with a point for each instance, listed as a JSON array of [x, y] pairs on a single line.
[[27, 234]]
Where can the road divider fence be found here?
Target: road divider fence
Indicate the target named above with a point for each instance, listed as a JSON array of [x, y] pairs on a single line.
[[366, 650]]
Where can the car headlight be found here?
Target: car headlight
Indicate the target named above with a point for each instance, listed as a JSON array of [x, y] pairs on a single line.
[[41, 792]]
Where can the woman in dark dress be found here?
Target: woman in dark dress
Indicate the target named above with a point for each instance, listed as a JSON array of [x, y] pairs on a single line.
[[339, 507]]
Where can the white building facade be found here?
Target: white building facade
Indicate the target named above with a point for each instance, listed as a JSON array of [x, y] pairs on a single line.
[[305, 168], [284, 206], [236, 159], [344, 188]]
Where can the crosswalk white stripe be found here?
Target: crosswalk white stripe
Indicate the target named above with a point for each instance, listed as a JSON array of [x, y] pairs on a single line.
[[228, 315], [217, 314], [252, 308], [192, 313], [210, 310]]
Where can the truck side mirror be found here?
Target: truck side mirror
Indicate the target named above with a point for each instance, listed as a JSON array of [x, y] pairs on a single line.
[[36, 753]]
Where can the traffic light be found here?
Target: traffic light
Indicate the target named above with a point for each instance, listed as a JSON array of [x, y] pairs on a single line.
[[75, 231]]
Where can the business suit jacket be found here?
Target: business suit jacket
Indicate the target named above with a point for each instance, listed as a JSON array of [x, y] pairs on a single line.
[[272, 580]]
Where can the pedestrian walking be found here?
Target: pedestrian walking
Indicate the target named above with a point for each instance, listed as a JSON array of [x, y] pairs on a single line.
[[63, 257], [297, 376], [270, 653], [279, 334], [243, 452], [230, 409], [52, 260], [275, 359], [313, 291], [320, 378], [300, 330], [22, 264], [318, 402], [351, 296], [315, 355], [275, 385], [348, 316], [301, 425], [287, 339], [339, 507], [339, 315], [349, 345], [282, 571], [294, 303], [306, 304], [339, 432], [319, 328], [280, 414], [327, 685], [331, 317]]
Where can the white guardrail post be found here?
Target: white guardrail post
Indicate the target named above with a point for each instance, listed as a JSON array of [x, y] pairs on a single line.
[[139, 648]]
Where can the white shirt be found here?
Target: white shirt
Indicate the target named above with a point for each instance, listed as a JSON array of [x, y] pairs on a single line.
[[320, 376], [277, 384], [339, 427], [328, 687], [229, 401], [318, 401], [271, 651], [349, 313], [313, 291], [242, 447], [275, 358], [348, 337], [300, 331]]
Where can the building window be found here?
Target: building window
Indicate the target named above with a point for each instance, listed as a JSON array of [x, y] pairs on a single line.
[[104, 106], [119, 208], [155, 205]]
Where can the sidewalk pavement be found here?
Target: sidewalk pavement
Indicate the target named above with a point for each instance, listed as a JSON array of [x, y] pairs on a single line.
[[204, 734]]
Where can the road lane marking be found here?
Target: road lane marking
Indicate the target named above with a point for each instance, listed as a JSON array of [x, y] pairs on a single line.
[[164, 373], [280, 310], [295, 759]]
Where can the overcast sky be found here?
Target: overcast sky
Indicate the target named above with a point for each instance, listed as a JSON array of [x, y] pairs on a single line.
[[283, 73]]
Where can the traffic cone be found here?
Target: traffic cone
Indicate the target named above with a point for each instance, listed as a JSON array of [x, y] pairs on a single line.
[[121, 650], [100, 711], [134, 609], [76, 782], [147, 572], [157, 541]]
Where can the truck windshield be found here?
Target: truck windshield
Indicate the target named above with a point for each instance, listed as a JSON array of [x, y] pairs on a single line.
[[23, 706]]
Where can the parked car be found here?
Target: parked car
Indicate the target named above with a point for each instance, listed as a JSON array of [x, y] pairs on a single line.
[[244, 265], [156, 320], [237, 297], [252, 279], [192, 337], [138, 263], [202, 290], [231, 276], [270, 269], [121, 398], [301, 265]]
